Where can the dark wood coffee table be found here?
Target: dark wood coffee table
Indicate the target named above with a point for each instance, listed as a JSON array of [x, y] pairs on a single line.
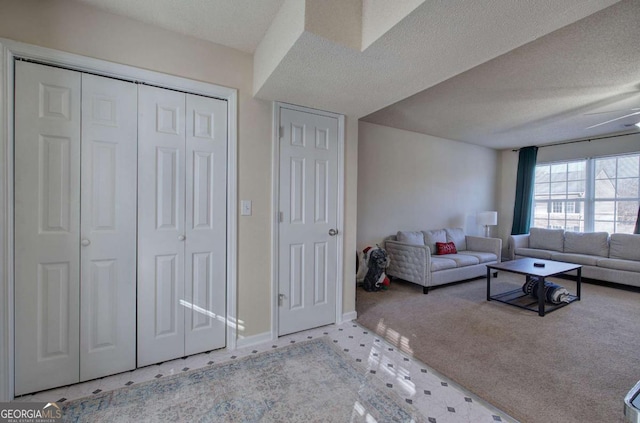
[[525, 266]]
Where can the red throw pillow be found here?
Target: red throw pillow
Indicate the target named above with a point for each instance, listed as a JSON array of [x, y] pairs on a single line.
[[446, 248]]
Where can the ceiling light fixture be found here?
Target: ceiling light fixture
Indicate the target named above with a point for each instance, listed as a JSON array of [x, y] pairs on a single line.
[[637, 124]]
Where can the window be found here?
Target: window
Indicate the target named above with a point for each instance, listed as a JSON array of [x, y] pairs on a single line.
[[616, 193], [570, 207], [598, 194], [563, 206], [559, 195]]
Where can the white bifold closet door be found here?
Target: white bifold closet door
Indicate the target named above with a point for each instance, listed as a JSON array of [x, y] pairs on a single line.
[[181, 224], [75, 198], [47, 227], [108, 227]]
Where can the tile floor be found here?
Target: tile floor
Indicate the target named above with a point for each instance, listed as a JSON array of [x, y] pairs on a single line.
[[437, 398]]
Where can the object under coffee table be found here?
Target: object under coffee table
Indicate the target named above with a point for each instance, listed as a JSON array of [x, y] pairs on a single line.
[[542, 270]]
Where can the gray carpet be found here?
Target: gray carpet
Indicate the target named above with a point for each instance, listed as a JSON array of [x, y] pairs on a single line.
[[572, 365]]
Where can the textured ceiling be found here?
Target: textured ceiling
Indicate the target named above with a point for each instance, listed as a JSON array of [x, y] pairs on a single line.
[[549, 90], [239, 24], [435, 42], [498, 73]]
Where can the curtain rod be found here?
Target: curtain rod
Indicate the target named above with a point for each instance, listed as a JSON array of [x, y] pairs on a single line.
[[586, 140]]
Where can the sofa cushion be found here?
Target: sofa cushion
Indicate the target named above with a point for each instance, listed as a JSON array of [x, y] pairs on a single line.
[[625, 247], [534, 252], [431, 237], [480, 255], [463, 260], [410, 237], [617, 264], [583, 259], [457, 236], [592, 243], [546, 239], [438, 263], [443, 248]]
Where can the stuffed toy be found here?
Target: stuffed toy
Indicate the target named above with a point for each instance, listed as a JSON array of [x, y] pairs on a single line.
[[371, 272]]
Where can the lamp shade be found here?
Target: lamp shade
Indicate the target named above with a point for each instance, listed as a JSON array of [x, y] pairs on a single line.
[[487, 218]]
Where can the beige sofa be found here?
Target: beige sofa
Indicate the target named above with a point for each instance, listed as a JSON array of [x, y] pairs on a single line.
[[611, 258], [413, 259]]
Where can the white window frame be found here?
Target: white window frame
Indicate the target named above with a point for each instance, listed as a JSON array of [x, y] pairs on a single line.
[[589, 200], [568, 209]]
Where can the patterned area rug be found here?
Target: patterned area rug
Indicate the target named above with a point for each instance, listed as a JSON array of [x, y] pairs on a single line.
[[310, 381]]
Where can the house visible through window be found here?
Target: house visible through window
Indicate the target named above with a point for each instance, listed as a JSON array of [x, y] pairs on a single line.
[[570, 206], [591, 195]]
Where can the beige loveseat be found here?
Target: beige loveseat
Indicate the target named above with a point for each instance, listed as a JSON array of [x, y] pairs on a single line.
[[611, 258], [413, 257]]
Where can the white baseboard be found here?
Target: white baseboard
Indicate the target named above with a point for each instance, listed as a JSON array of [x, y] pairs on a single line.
[[252, 340], [261, 338], [347, 317]]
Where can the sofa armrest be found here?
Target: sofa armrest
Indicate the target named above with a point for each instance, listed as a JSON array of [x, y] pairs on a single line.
[[409, 262], [517, 241], [488, 245]]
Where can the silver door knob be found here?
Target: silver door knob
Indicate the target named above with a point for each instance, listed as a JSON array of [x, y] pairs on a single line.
[[181, 237], [333, 232], [85, 242]]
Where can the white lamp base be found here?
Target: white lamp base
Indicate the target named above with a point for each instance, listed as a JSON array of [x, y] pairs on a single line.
[[487, 219]]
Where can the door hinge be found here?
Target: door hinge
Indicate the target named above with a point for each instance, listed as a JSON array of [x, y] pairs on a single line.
[[281, 217], [280, 131], [281, 298]]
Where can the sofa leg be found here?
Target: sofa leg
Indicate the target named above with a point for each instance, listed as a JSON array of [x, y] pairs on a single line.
[[425, 290]]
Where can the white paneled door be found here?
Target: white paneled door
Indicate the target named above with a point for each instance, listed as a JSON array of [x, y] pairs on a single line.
[[206, 224], [108, 227], [308, 232], [75, 223], [161, 224], [181, 224], [120, 212], [47, 227]]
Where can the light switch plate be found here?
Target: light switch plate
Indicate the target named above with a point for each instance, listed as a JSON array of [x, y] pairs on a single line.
[[245, 208]]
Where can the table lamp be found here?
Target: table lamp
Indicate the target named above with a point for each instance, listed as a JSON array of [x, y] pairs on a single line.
[[487, 218]]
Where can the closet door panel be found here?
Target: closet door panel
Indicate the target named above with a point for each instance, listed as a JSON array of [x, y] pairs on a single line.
[[47, 222], [108, 227], [205, 280], [161, 224]]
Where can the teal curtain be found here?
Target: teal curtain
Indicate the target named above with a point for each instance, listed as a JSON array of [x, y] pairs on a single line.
[[524, 190]]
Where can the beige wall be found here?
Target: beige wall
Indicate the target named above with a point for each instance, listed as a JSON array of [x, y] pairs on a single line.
[[507, 175], [410, 181], [80, 29], [351, 213], [595, 148], [75, 28], [343, 28]]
